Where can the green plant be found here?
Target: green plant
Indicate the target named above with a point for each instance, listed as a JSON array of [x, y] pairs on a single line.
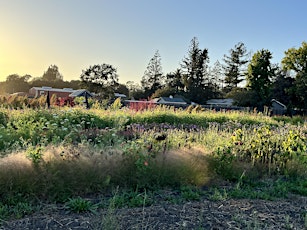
[[4, 212], [21, 209], [218, 195], [35, 154], [116, 105], [131, 198], [109, 221], [80, 205], [190, 193]]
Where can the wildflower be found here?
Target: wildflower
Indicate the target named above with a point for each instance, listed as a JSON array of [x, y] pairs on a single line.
[[145, 163]]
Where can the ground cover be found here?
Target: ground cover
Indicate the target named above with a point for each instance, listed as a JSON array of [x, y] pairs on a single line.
[[103, 161]]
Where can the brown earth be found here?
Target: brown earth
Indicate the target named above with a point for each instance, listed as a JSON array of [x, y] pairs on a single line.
[[288, 213]]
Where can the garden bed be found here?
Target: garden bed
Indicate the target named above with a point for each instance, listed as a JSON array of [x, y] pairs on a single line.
[[204, 214]]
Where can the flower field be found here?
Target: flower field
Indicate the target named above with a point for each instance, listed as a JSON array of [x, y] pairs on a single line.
[[56, 155]]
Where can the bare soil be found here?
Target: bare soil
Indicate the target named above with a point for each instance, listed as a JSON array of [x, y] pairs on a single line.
[[288, 213]]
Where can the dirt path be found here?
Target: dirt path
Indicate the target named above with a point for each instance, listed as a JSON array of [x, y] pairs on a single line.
[[205, 214]]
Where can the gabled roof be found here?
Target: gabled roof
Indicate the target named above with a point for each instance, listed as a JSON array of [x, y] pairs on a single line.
[[169, 100], [279, 103], [80, 93]]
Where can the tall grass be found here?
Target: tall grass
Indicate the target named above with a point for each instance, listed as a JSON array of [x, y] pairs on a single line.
[[55, 155]]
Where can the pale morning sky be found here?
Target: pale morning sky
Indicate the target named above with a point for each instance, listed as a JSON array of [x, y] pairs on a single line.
[[74, 34]]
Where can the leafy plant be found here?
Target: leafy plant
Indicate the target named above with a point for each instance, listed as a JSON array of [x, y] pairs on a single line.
[[79, 205], [218, 195], [35, 154]]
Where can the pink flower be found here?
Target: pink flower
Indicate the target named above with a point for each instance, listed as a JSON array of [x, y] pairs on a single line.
[[145, 163]]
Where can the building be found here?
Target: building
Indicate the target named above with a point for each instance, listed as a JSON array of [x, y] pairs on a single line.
[[278, 108], [169, 101], [228, 102], [63, 93]]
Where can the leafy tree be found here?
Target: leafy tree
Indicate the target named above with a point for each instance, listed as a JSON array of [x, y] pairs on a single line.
[[135, 90], [282, 88], [243, 97], [2, 87], [15, 83], [164, 92], [153, 77], [101, 79], [195, 72], [234, 66], [260, 74], [52, 74], [296, 60], [123, 89]]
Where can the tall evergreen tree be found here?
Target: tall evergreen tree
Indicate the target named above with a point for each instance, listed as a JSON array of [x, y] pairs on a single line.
[[195, 72], [216, 77], [234, 66], [153, 76]]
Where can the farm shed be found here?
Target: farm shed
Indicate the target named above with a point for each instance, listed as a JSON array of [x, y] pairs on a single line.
[[39, 91], [278, 108]]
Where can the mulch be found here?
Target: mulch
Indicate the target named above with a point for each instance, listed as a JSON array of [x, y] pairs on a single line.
[[288, 213]]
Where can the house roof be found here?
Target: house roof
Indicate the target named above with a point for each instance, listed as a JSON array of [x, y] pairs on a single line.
[[119, 95], [279, 103], [80, 93], [50, 89], [225, 102], [169, 100]]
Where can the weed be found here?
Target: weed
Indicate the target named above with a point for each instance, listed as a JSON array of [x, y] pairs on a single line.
[[190, 193], [218, 195], [109, 221], [35, 154], [79, 205]]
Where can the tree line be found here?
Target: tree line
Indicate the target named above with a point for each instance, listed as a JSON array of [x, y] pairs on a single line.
[[250, 79]]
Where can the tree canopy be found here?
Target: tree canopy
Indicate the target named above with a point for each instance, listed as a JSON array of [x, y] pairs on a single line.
[[195, 72], [296, 60], [259, 75], [100, 78], [153, 78], [234, 66]]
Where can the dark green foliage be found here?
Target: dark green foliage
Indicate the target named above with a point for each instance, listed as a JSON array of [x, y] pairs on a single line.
[[259, 76], [153, 78], [234, 66], [101, 79], [3, 118]]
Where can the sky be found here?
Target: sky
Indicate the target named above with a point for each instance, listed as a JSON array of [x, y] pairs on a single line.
[[75, 34]]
